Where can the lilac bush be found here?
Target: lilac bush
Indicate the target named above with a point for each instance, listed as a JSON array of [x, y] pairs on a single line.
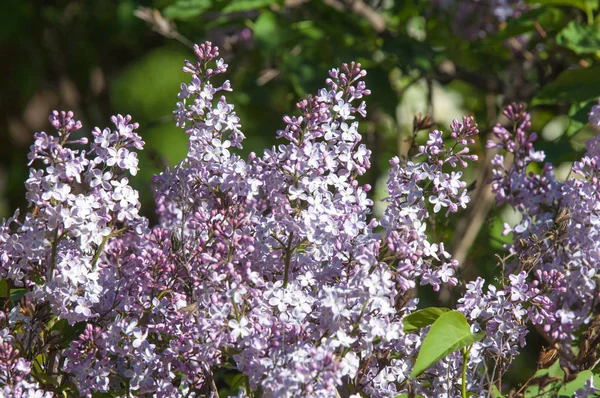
[[274, 267]]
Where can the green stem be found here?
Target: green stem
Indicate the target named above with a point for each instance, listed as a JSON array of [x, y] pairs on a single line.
[[247, 383], [235, 310], [464, 371], [99, 251], [55, 242], [54, 248], [288, 257], [103, 243]]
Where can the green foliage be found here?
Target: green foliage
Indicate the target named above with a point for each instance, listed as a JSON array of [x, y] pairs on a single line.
[[3, 288], [581, 39], [188, 9], [422, 318], [148, 87], [548, 17], [449, 333], [267, 32], [551, 382], [573, 85], [496, 393], [584, 5], [247, 5], [568, 390], [578, 116], [17, 294], [185, 9], [67, 332]]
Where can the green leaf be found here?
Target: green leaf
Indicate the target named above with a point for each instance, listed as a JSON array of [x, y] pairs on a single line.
[[419, 319], [67, 332], [581, 39], [3, 288], [568, 390], [266, 32], [584, 5], [573, 85], [548, 17], [246, 5], [308, 29], [578, 116], [46, 379], [186, 9], [102, 395], [17, 294], [553, 376], [37, 279], [495, 392], [449, 333]]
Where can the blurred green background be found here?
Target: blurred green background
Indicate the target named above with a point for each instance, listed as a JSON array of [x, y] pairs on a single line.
[[442, 57]]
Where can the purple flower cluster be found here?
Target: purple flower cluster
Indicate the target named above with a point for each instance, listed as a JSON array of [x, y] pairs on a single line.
[[274, 266], [14, 371], [414, 184], [556, 249]]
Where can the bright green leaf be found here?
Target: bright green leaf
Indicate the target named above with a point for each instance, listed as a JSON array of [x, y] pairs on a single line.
[[449, 333], [581, 39], [246, 5], [573, 85], [584, 5], [419, 319], [495, 392], [554, 375], [35, 365], [568, 390], [266, 31], [186, 9]]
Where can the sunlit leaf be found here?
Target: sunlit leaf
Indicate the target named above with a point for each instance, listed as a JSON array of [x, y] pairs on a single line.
[[187, 9], [581, 39], [422, 318], [584, 5], [449, 333], [568, 390], [246, 5]]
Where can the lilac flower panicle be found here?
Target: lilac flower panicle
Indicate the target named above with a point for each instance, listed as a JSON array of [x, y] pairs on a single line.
[[556, 242], [272, 264]]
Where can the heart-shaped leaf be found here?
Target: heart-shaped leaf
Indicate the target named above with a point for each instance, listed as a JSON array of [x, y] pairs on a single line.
[[449, 333]]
